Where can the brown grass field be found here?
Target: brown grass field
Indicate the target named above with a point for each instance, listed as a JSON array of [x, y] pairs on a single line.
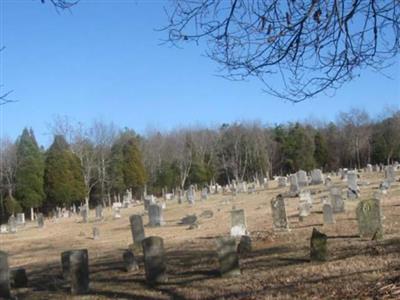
[[278, 267]]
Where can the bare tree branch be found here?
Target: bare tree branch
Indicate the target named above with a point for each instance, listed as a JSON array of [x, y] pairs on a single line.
[[298, 49]]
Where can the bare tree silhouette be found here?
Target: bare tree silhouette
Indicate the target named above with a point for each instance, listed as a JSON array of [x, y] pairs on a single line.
[[297, 48]]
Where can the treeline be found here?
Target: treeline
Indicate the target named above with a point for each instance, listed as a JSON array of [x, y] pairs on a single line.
[[98, 163]]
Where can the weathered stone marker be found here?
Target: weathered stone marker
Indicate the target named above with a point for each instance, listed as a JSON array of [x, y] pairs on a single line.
[[228, 257], [79, 271], [65, 265], [154, 260], [204, 194], [352, 189], [85, 214], [40, 220], [279, 218], [18, 278], [294, 185], [245, 245], [130, 263], [116, 213], [137, 229], [318, 246], [96, 233], [20, 219], [155, 215], [317, 177], [238, 223], [369, 219], [337, 201], [390, 173], [302, 178], [282, 182], [191, 195], [4, 276], [327, 211], [12, 224], [99, 212]]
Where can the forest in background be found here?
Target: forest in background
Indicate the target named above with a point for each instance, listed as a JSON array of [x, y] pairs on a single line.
[[98, 163]]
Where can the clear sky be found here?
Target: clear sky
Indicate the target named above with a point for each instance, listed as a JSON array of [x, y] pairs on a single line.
[[103, 60]]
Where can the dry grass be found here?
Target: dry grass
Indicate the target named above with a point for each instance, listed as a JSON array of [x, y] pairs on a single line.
[[279, 266]]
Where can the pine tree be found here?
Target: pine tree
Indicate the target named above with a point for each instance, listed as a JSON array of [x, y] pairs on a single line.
[[63, 177], [321, 150], [115, 169], [29, 173], [133, 168]]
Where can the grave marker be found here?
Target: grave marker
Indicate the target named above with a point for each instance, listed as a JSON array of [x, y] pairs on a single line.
[[228, 257], [154, 260]]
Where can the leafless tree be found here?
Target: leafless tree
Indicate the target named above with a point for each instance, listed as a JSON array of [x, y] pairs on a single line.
[[61, 4], [356, 130], [297, 48], [8, 167]]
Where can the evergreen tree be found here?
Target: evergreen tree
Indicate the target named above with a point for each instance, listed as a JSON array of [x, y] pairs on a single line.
[[29, 173], [116, 168], [63, 177], [321, 150], [133, 168]]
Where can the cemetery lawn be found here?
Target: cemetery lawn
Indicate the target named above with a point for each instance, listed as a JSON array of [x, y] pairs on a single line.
[[278, 267]]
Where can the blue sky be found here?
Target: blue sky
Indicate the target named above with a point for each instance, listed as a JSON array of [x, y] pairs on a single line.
[[104, 61]]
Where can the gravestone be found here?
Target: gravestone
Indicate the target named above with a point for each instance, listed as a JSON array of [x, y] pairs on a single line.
[[85, 214], [20, 219], [238, 223], [338, 205], [369, 219], [137, 229], [130, 263], [96, 233], [317, 177], [294, 186], [384, 186], [116, 213], [245, 245], [188, 220], [328, 181], [79, 271], [18, 278], [191, 195], [302, 178], [204, 194], [228, 257], [155, 216], [304, 210], [4, 228], [343, 174], [390, 173], [318, 246], [40, 220], [99, 212], [180, 196], [352, 187], [4, 276], [369, 168], [282, 182], [12, 224], [65, 265], [327, 211], [305, 196], [279, 218], [154, 260]]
